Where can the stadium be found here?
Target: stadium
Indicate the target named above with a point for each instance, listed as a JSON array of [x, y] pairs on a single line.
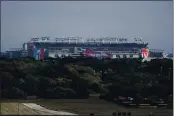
[[108, 47]]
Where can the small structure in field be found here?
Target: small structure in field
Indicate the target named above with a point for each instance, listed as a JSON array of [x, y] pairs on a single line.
[[31, 97]]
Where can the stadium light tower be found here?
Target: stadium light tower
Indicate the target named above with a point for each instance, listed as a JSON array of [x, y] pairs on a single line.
[[0, 92], [0, 47]]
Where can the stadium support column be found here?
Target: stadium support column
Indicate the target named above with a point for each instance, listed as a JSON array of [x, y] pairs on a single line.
[[75, 50]]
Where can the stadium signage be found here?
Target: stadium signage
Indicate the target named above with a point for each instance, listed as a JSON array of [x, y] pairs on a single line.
[[121, 39], [145, 53], [40, 39], [34, 39], [137, 39], [44, 38]]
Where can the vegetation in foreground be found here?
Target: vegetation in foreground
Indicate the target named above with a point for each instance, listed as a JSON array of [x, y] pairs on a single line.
[[70, 78]]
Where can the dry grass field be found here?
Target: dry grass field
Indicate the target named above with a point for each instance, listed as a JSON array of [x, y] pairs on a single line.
[[28, 109], [12, 109], [81, 107], [100, 107]]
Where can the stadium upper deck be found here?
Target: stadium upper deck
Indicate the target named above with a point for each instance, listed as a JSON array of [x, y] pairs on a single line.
[[89, 42]]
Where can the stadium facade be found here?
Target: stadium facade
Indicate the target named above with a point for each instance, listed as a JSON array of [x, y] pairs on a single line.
[[108, 47]]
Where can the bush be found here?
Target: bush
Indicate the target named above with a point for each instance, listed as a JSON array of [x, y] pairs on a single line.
[[13, 93]]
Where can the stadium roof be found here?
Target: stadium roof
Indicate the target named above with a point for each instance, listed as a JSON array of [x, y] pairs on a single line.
[[88, 40]]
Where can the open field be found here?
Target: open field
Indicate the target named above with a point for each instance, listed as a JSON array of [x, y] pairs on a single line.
[[81, 107]]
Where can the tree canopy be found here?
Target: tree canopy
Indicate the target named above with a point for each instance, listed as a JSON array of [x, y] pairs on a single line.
[[77, 78]]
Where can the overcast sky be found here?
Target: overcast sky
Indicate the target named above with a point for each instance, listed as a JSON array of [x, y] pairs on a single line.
[[151, 20]]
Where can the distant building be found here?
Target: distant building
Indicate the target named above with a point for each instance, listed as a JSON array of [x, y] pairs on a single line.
[[16, 53], [4, 55], [156, 53], [24, 53]]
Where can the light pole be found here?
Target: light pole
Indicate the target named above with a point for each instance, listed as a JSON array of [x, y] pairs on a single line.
[[0, 93], [161, 70], [169, 72]]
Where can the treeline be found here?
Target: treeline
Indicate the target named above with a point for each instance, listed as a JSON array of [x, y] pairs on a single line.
[[77, 78]]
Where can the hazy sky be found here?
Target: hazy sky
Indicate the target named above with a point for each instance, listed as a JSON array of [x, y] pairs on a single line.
[[151, 20]]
